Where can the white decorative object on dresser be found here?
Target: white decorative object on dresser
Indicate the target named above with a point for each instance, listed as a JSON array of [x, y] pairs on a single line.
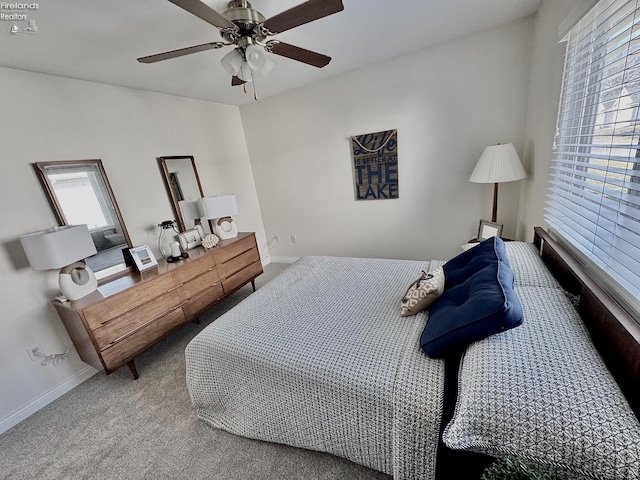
[[220, 209], [126, 316]]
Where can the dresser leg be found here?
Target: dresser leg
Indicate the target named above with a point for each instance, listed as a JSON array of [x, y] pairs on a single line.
[[253, 284], [132, 367]]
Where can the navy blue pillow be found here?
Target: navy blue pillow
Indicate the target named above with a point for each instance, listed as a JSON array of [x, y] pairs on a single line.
[[458, 269], [482, 305]]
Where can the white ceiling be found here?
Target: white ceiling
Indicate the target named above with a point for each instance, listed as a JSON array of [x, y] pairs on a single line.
[[99, 41]]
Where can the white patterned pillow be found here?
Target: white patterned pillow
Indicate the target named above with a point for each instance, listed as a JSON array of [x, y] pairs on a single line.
[[423, 292], [542, 393]]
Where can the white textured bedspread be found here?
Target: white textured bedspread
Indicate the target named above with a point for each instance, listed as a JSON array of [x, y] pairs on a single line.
[[320, 358]]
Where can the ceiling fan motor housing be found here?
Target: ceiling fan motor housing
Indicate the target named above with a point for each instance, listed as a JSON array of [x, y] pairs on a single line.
[[246, 18]]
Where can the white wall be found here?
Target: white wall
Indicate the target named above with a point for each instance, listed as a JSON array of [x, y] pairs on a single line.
[[544, 94], [448, 102], [52, 118]]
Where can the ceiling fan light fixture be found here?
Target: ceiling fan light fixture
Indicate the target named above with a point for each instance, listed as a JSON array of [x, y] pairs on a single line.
[[255, 57], [258, 60], [232, 62], [245, 72], [269, 64], [247, 29]]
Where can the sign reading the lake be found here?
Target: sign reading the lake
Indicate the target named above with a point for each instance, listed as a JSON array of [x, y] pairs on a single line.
[[375, 165]]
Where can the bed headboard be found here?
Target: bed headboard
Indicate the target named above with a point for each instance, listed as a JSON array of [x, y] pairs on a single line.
[[614, 332]]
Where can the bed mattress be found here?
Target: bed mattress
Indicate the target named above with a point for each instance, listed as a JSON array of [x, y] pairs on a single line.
[[320, 358]]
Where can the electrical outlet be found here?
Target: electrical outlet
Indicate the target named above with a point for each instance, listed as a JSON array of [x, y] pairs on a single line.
[[276, 237], [33, 351], [294, 239]]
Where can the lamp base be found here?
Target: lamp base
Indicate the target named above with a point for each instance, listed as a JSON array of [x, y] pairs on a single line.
[[494, 211], [225, 228], [178, 258], [76, 281]]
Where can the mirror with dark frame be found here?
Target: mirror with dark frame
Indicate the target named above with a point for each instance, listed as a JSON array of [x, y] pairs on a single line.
[[184, 190], [79, 193]]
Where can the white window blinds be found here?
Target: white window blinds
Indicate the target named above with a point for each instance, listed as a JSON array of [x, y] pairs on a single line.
[[594, 197]]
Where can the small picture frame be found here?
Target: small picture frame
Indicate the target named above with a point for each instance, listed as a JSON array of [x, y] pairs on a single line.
[[190, 239], [488, 229], [143, 257]]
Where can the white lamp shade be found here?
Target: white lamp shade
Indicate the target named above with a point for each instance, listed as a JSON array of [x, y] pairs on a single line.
[[231, 62], [255, 57], [191, 209], [498, 163], [220, 206], [269, 64], [58, 246], [245, 72]]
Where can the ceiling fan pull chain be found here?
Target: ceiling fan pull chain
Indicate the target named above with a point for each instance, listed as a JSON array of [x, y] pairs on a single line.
[[253, 84]]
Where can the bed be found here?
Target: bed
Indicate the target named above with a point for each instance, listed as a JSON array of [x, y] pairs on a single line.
[[320, 358]]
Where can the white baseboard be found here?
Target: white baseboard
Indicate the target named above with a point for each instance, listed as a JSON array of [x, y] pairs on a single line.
[[284, 259], [46, 398]]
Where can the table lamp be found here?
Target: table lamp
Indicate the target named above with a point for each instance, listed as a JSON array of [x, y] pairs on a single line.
[[220, 209], [497, 164], [63, 247]]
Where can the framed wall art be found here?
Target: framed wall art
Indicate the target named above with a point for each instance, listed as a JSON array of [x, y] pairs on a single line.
[[375, 165]]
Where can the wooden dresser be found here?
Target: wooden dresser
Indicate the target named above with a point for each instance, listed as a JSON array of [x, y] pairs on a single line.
[[126, 316]]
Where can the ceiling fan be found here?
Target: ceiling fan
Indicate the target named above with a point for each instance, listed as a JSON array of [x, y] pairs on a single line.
[[247, 29]]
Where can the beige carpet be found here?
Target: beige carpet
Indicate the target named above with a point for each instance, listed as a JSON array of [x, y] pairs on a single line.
[[112, 427]]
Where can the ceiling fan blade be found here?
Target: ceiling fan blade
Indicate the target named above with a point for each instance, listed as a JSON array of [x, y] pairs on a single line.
[[301, 14], [299, 54], [235, 81], [204, 12], [180, 52]]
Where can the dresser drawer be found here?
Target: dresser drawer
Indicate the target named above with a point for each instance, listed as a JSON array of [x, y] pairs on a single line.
[[114, 306], [199, 284], [194, 269], [116, 328], [238, 263], [233, 250], [242, 277], [116, 354], [196, 304]]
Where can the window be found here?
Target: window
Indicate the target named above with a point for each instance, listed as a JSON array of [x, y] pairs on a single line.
[[594, 197]]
